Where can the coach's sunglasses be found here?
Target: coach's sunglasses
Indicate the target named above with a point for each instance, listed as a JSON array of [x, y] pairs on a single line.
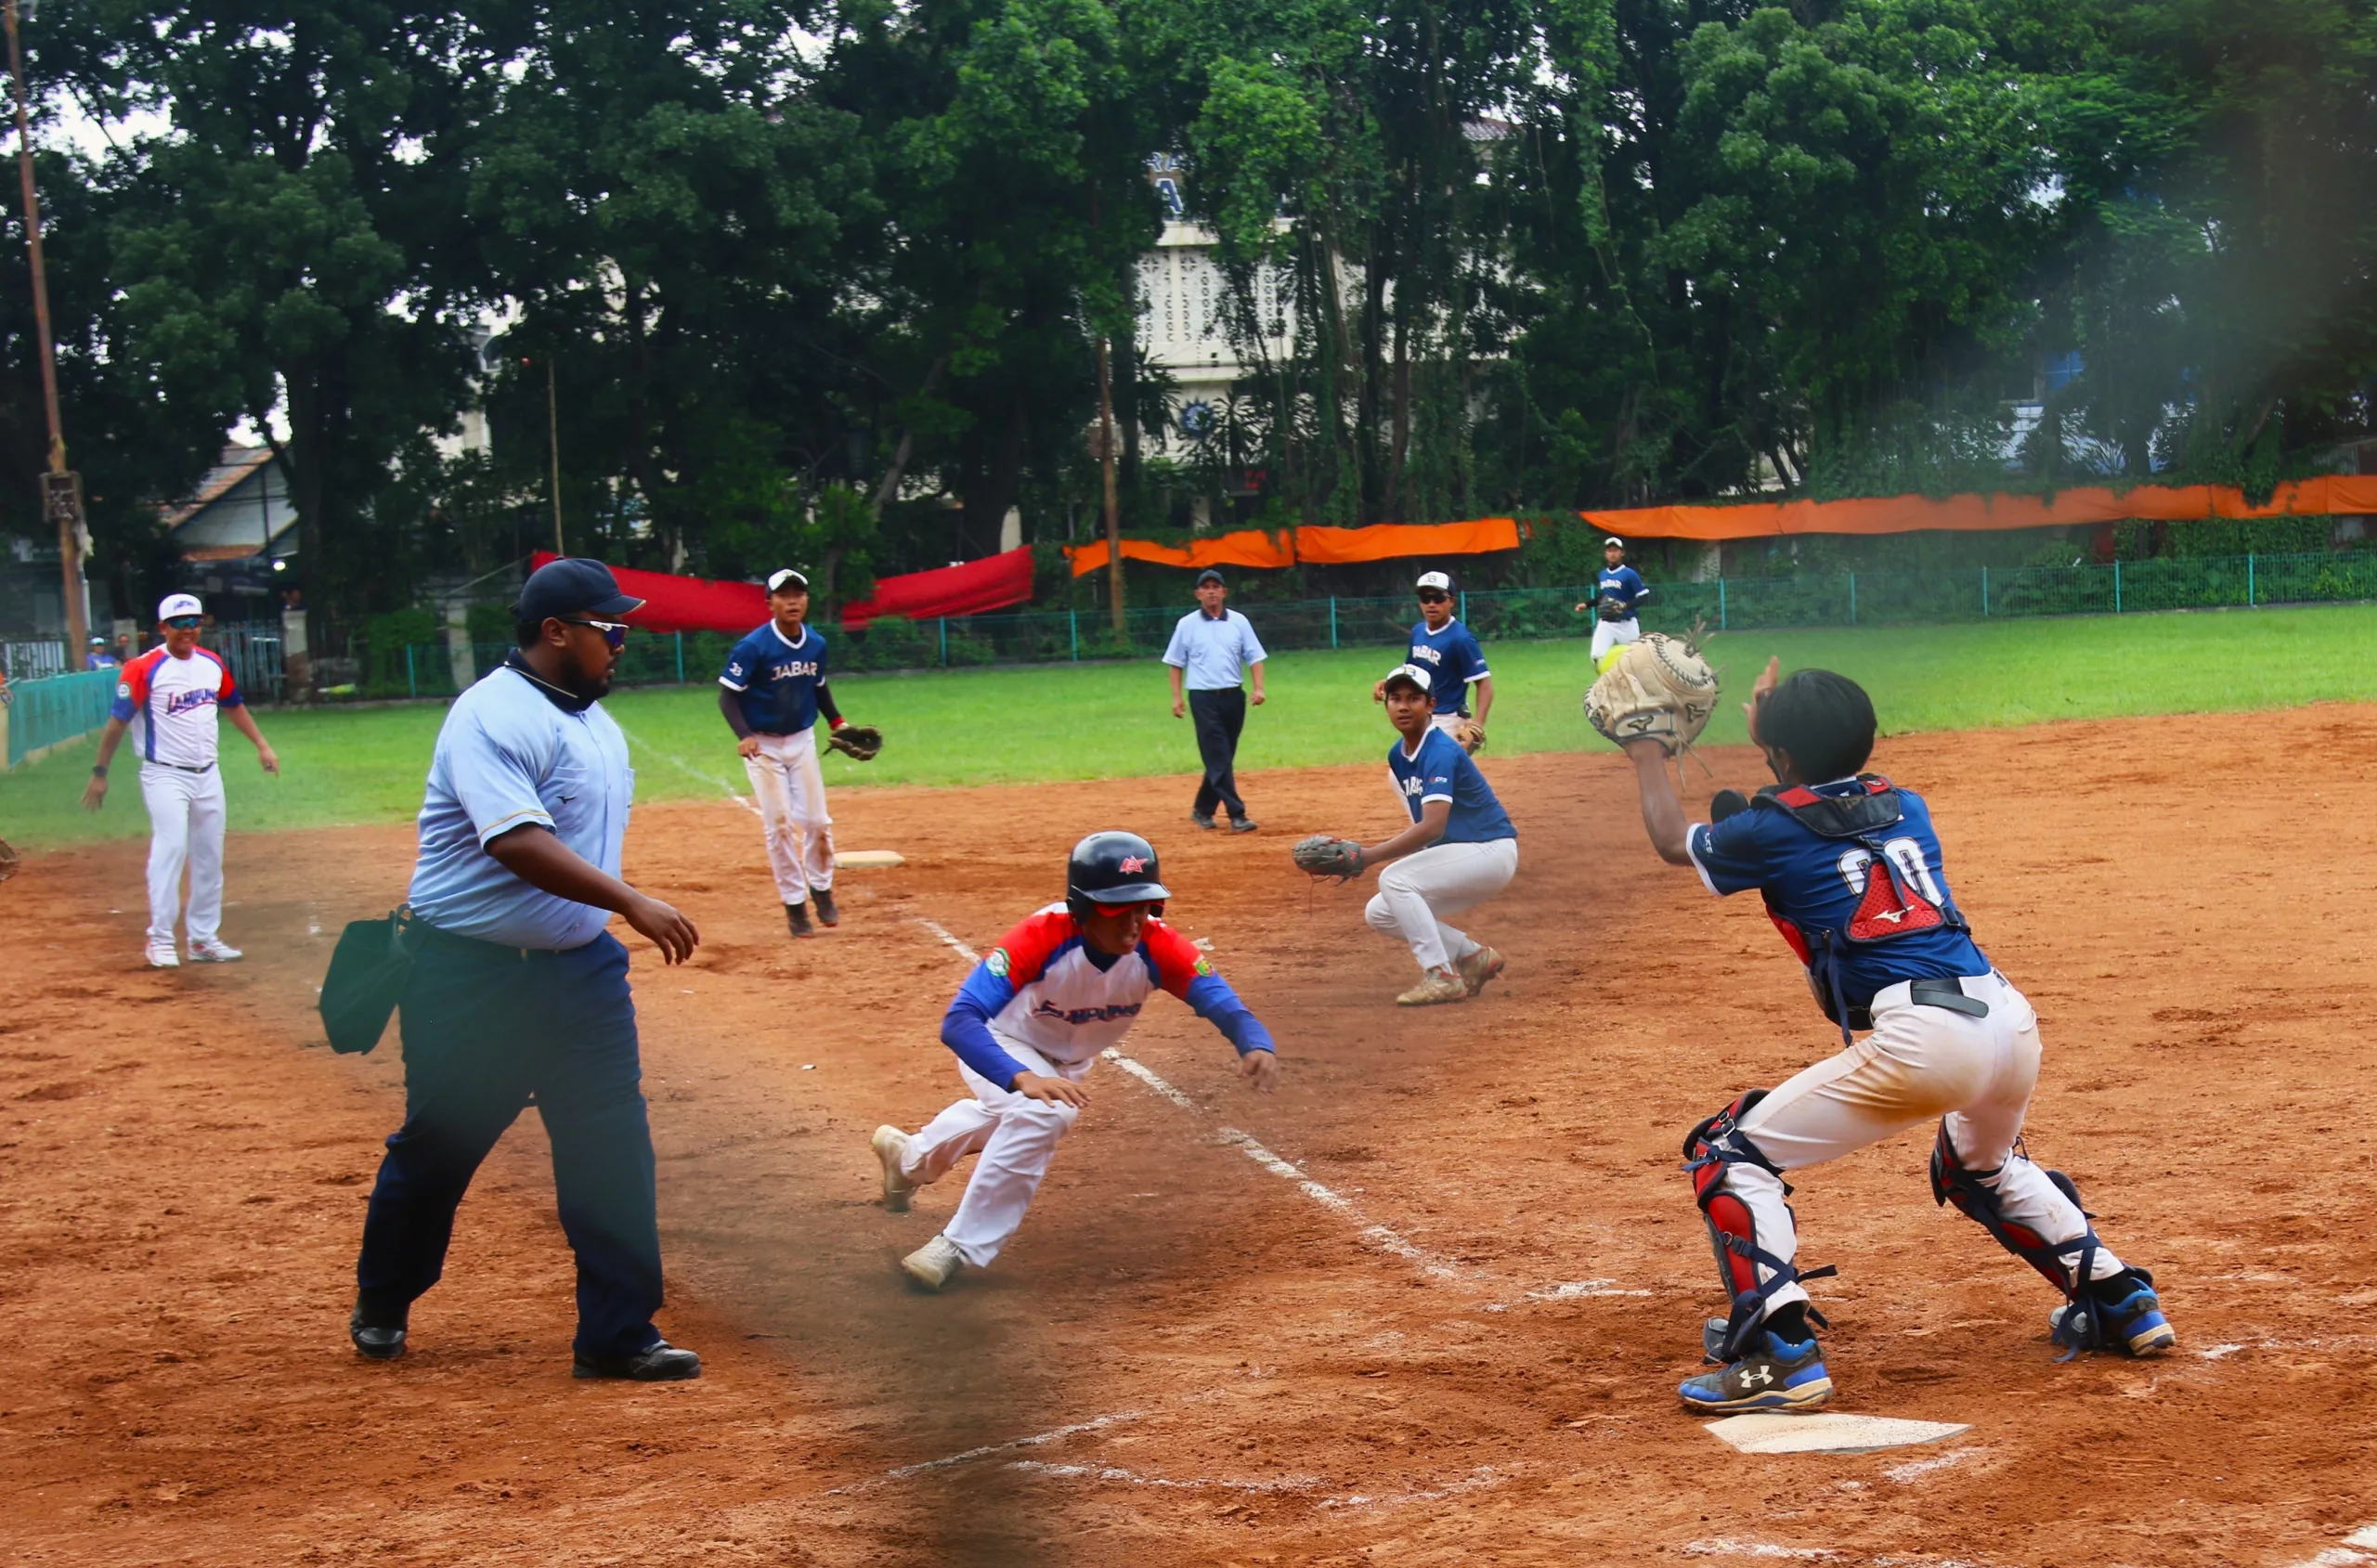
[[187, 623], [614, 633]]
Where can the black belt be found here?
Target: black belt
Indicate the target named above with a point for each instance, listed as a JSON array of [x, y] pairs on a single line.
[[1948, 993], [420, 935], [179, 767]]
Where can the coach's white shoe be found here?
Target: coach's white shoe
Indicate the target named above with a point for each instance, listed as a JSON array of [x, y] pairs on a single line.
[[1437, 985], [933, 1264], [214, 949], [162, 956], [890, 1143]]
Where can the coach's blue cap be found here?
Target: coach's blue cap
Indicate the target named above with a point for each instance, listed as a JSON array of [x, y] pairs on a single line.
[[572, 586]]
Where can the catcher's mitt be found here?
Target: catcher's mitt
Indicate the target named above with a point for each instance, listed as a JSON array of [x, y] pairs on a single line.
[[857, 742], [1658, 689], [9, 859], [1471, 735], [1324, 856]]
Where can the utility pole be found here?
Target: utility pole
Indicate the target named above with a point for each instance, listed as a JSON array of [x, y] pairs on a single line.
[[1114, 506], [552, 435], [61, 489]]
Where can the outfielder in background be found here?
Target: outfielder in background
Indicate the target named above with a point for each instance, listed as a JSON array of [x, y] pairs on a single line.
[[1027, 1025], [170, 698], [1449, 653], [1459, 850], [773, 690], [1617, 594], [1852, 872]]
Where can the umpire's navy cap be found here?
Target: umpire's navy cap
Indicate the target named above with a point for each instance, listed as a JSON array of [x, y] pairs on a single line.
[[572, 586], [1209, 576]]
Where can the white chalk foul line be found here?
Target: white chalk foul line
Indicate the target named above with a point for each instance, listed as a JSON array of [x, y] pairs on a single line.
[[688, 769], [2358, 1548], [1038, 1439], [967, 953]]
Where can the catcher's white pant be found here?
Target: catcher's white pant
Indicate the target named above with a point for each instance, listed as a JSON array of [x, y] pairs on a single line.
[[1614, 634], [185, 828], [791, 792], [1016, 1136], [1440, 879], [1919, 1064]]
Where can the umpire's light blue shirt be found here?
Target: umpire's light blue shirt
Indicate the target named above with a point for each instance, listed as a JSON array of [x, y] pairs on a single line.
[[507, 754], [1213, 650]]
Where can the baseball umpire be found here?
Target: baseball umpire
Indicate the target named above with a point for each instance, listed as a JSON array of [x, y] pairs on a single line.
[[517, 991]]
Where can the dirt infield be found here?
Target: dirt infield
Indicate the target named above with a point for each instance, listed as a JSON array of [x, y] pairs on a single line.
[[1184, 1357]]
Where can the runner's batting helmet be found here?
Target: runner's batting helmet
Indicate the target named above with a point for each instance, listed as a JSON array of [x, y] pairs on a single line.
[[1113, 868]]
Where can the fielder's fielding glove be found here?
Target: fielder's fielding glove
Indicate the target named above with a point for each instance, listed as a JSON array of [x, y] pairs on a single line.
[[1613, 608], [1324, 856], [1658, 689], [8, 860], [1471, 735], [857, 742]]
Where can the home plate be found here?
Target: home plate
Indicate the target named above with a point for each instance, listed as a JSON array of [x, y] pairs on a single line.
[[849, 859], [1826, 1432]]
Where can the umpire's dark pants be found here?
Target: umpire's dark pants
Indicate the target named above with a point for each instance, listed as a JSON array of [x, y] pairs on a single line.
[[1219, 717], [485, 1027]]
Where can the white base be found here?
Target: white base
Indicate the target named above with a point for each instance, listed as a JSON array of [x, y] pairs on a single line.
[[848, 859], [1825, 1431]]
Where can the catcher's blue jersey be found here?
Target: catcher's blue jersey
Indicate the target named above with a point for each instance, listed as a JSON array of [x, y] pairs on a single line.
[[777, 679], [1813, 884], [1441, 770], [1452, 659]]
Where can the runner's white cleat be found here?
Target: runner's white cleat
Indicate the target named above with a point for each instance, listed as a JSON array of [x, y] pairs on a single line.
[[214, 949], [933, 1264], [890, 1143]]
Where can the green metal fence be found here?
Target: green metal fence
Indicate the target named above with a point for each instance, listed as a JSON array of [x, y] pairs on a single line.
[[57, 708], [1725, 603]]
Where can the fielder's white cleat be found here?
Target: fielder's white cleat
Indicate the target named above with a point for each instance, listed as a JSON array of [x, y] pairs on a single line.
[[214, 949], [1437, 985], [890, 1143], [161, 955], [933, 1264], [1482, 965]]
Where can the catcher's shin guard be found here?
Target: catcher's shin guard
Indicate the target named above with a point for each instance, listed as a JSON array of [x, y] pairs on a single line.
[[2065, 1265], [1709, 1149]]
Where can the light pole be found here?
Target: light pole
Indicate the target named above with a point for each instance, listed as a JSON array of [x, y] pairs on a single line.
[[62, 488]]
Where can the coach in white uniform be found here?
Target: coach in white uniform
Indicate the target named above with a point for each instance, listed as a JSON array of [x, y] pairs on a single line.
[[170, 697]]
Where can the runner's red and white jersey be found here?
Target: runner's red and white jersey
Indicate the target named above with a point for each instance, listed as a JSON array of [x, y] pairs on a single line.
[[171, 705], [1061, 1003]]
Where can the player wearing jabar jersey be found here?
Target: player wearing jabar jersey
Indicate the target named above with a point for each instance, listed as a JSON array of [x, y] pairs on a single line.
[[1026, 1026], [169, 700], [1463, 688], [1618, 592], [1852, 875], [771, 693]]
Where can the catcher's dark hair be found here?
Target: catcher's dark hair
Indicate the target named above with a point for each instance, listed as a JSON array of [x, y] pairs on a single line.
[[1825, 721]]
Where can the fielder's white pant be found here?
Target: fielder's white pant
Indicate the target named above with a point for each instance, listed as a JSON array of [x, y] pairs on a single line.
[[1614, 634], [185, 828], [791, 792], [1919, 1064], [1440, 879], [1448, 723], [1016, 1136]]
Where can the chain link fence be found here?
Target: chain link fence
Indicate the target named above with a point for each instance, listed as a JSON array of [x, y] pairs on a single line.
[[1515, 614]]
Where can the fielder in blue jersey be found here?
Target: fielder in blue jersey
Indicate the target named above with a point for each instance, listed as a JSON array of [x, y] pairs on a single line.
[[1853, 876], [1449, 653], [1617, 594], [771, 693]]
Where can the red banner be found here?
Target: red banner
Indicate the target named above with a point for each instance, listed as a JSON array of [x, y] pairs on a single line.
[[674, 603]]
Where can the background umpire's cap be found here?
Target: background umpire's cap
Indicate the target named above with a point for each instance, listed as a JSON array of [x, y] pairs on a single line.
[[569, 586]]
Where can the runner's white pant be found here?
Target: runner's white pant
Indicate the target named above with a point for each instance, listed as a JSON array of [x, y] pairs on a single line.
[[1016, 1136], [1614, 634], [1919, 1064], [185, 827], [791, 792], [1440, 879]]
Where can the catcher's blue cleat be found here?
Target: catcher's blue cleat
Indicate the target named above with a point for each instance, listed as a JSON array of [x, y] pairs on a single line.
[[1775, 1375], [2134, 1325]]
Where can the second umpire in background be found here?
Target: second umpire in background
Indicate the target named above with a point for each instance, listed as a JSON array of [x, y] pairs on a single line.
[[1213, 648], [517, 991]]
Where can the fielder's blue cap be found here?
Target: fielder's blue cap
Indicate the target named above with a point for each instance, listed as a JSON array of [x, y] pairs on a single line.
[[572, 586]]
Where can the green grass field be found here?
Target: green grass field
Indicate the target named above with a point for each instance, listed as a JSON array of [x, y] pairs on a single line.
[[1077, 721]]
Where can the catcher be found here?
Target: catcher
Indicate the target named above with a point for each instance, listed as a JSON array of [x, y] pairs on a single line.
[[773, 691], [1459, 850], [1852, 874]]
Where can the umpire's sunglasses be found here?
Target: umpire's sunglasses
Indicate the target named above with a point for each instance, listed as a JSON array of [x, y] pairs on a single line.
[[187, 623], [614, 633]]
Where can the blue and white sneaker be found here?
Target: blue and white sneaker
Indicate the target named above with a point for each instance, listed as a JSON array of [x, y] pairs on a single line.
[[2134, 1325], [1775, 1375]]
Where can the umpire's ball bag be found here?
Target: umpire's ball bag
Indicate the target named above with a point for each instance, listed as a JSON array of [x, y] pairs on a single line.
[[368, 974]]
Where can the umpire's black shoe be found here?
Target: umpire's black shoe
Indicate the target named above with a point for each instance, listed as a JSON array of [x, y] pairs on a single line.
[[1243, 825], [827, 913], [378, 1336], [664, 1363], [795, 919], [1202, 819]]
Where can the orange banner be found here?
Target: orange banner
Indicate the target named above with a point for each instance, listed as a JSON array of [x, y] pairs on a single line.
[[1248, 547], [1329, 547], [1903, 514]]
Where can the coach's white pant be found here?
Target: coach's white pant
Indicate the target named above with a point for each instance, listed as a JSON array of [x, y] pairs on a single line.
[[1614, 634], [185, 828], [1440, 879], [1016, 1136], [791, 792], [1918, 1064]]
